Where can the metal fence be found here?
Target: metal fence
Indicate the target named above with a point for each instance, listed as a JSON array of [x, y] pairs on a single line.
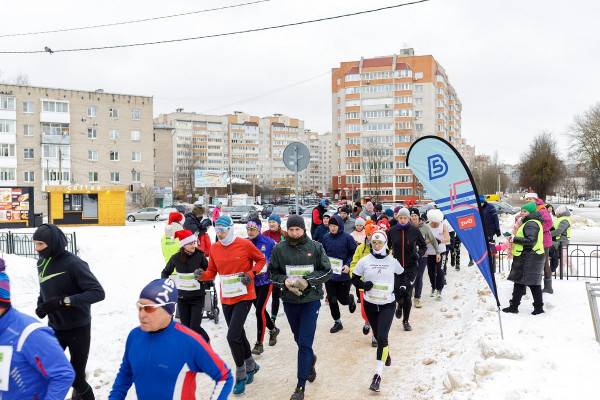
[[21, 244], [577, 261]]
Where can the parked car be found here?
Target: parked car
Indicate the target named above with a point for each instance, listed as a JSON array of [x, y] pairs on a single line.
[[182, 208], [145, 214], [282, 211], [595, 202], [503, 207], [166, 211], [267, 210], [240, 214], [292, 209]]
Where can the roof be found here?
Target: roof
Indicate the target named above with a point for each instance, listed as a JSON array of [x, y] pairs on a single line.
[[377, 62], [94, 92]]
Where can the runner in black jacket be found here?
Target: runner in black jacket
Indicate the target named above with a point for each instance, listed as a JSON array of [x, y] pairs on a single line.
[[67, 289], [408, 246]]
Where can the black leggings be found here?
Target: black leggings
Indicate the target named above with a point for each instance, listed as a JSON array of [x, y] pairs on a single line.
[[455, 251], [436, 272], [406, 303], [263, 321], [337, 291], [275, 302], [190, 314], [77, 340], [235, 316], [380, 318]]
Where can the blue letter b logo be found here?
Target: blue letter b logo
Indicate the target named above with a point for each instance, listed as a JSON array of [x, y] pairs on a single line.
[[438, 167]]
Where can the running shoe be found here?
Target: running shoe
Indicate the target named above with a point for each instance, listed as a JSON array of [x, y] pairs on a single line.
[[407, 326], [388, 360], [312, 375], [366, 329], [398, 312], [433, 293], [351, 303], [298, 394], [258, 349], [273, 336], [438, 296], [373, 341], [418, 303], [375, 383], [336, 327], [240, 386], [250, 374]]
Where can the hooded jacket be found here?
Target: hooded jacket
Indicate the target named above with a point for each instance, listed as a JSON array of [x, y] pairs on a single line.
[[408, 246], [320, 232], [560, 233], [63, 274], [528, 268], [300, 252], [265, 245], [491, 223], [317, 218], [341, 245], [547, 222], [196, 225]]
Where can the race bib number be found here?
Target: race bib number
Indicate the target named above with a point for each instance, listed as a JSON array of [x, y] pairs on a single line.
[[298, 271], [336, 265], [232, 286], [5, 359], [186, 282], [379, 293]]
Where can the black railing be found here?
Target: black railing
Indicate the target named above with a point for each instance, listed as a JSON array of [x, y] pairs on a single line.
[[577, 261], [21, 244]]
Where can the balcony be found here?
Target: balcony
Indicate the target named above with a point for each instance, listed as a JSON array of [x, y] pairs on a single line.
[[56, 117], [56, 139]]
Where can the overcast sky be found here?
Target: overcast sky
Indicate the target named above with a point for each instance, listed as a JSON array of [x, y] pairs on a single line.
[[519, 66]]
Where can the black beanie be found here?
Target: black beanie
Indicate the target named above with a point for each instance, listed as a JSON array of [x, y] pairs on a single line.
[[43, 234], [296, 221]]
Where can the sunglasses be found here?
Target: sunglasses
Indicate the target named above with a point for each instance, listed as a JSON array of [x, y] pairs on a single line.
[[251, 228], [221, 229], [150, 308]]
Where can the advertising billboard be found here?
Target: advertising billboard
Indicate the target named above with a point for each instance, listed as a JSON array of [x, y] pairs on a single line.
[[210, 179], [16, 206]]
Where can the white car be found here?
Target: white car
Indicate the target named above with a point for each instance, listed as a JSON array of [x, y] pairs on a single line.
[[589, 203]]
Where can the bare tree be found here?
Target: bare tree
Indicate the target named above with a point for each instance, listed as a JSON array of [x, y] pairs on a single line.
[[585, 143], [541, 168], [146, 196], [20, 79]]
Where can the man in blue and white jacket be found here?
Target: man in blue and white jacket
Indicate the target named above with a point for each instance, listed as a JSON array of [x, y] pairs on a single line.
[[162, 357], [36, 366]]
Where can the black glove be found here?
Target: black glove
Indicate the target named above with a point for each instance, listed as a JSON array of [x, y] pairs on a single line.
[[401, 291], [198, 273], [245, 278], [40, 313], [368, 285], [51, 305]]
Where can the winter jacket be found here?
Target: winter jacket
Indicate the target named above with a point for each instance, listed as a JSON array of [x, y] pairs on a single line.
[[342, 246], [317, 218], [169, 247], [527, 268], [408, 245], [491, 223], [562, 227], [171, 228], [163, 365], [181, 267], [265, 245], [546, 222], [300, 252], [239, 256], [276, 236], [349, 225], [63, 274], [359, 237], [428, 236], [320, 232], [216, 214], [38, 366], [198, 226], [362, 250]]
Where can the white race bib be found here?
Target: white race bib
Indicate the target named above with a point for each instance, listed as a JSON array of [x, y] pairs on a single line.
[[186, 282], [232, 286], [298, 271], [336, 265], [5, 359], [379, 293]]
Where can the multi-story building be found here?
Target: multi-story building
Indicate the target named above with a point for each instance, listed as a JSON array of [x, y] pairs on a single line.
[[380, 106], [317, 177], [63, 137], [164, 171]]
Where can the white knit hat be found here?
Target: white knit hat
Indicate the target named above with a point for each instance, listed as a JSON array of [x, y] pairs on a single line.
[[435, 215], [360, 221], [531, 195]]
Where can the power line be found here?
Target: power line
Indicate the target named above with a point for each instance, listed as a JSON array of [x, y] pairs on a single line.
[[118, 46], [134, 21]]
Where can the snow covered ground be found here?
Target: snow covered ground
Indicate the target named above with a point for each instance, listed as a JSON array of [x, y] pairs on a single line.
[[453, 352]]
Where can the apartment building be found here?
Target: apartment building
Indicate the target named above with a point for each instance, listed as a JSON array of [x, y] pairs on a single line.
[[317, 177], [380, 106], [74, 137], [164, 171]]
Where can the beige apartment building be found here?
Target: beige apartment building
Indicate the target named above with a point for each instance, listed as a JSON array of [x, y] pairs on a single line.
[[380, 107], [63, 137]]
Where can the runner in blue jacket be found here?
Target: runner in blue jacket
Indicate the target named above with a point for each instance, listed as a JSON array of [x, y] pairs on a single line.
[[340, 248], [37, 364], [263, 287], [162, 357]]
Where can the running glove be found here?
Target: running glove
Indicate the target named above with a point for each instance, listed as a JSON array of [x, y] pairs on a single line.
[[301, 284], [198, 273], [50, 306], [368, 285], [290, 284], [245, 278]]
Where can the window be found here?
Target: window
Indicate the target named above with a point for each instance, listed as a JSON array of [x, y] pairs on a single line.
[[27, 107], [113, 113], [353, 128], [404, 100], [403, 178], [114, 156], [136, 136], [136, 156], [54, 151], [114, 134], [352, 90], [136, 114], [28, 154], [402, 139], [400, 152], [353, 179], [7, 150], [403, 112], [92, 133], [419, 127], [418, 101], [91, 111], [352, 115], [403, 192], [418, 75], [55, 106], [418, 113], [115, 177], [51, 128], [27, 130], [419, 88], [93, 177], [404, 125], [92, 155], [136, 176], [7, 126], [90, 206], [7, 103], [352, 103], [28, 176], [352, 77], [7, 174]]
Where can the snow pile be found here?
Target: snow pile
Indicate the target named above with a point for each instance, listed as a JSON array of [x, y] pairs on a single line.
[[453, 352]]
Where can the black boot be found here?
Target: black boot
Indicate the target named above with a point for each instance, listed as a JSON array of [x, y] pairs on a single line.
[[513, 308], [538, 308]]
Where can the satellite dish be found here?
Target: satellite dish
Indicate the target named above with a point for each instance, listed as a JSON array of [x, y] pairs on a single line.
[[296, 157]]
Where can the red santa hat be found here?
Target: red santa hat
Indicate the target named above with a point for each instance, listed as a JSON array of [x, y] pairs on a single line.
[[185, 237], [175, 217]]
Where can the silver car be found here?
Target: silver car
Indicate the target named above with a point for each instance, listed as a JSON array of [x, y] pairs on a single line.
[[589, 203], [240, 214], [145, 214]]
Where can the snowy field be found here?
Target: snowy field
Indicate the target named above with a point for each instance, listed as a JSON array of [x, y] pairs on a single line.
[[453, 352]]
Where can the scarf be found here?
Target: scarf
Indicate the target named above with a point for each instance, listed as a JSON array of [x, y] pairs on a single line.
[[229, 238]]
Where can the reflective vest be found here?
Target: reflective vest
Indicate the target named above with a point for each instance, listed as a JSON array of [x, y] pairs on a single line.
[[557, 222], [517, 248], [169, 246]]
